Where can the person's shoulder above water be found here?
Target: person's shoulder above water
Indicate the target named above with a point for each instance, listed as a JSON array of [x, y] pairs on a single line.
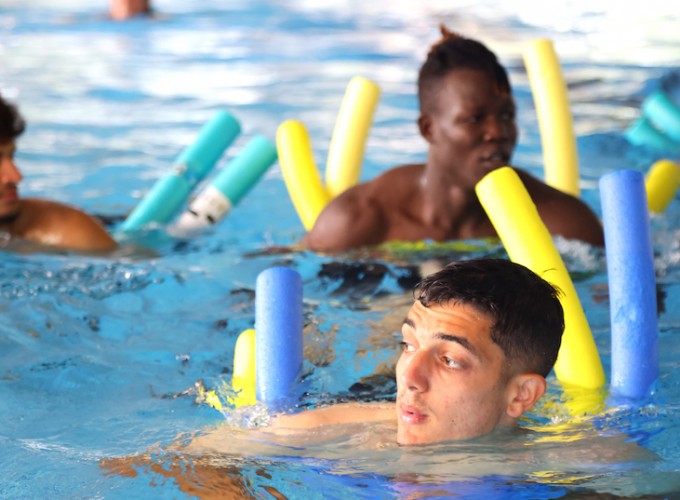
[[563, 214], [366, 214], [38, 221], [60, 225]]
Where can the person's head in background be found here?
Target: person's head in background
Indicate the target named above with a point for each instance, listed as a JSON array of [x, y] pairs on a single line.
[[467, 112], [125, 9], [12, 125], [478, 342]]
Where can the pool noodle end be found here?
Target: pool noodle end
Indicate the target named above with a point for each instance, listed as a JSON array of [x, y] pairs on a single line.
[[662, 183], [663, 113], [560, 155], [243, 381], [230, 185], [352, 126], [643, 133], [307, 192]]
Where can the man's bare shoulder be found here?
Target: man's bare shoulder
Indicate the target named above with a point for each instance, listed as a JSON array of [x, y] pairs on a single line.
[[360, 216], [562, 213], [58, 224]]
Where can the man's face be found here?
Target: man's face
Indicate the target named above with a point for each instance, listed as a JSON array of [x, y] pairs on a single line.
[[9, 179], [450, 380], [472, 131]]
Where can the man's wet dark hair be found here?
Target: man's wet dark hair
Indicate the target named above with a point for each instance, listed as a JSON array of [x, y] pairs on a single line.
[[528, 320], [453, 52], [12, 125]]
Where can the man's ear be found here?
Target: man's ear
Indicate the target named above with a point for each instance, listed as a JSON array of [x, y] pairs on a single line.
[[425, 127], [524, 391]]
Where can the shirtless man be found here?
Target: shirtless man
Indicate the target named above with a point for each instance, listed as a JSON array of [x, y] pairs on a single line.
[[40, 221], [120, 10], [467, 117], [477, 344]]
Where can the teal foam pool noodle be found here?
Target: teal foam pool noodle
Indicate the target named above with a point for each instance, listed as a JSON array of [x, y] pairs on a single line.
[[643, 133], [232, 183], [663, 113], [168, 195]]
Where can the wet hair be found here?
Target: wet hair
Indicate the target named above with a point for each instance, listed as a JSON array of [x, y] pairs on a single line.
[[528, 320], [12, 125], [454, 52]]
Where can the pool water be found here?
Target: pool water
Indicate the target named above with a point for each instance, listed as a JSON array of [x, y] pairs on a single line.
[[99, 357]]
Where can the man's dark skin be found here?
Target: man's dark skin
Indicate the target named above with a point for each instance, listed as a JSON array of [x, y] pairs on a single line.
[[469, 125]]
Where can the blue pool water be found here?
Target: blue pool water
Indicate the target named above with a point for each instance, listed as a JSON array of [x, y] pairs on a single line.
[[98, 357]]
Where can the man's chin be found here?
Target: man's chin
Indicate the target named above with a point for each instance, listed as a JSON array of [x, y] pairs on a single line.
[[9, 215], [410, 439]]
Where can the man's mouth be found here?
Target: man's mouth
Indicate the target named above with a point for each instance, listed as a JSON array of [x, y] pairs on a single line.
[[496, 159], [411, 415], [10, 194]]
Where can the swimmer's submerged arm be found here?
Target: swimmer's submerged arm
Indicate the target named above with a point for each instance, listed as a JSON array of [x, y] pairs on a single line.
[[344, 413]]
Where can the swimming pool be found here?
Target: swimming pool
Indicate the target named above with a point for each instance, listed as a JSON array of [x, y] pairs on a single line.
[[95, 354]]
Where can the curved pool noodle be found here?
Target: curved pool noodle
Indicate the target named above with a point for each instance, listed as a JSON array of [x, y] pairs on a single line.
[[243, 381], [528, 242], [302, 178], [663, 113], [233, 182], [278, 327], [661, 183], [632, 284], [346, 152], [168, 195], [642, 132], [560, 155]]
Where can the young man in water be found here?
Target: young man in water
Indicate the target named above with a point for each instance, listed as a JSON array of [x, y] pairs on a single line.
[[467, 117], [477, 344], [36, 220]]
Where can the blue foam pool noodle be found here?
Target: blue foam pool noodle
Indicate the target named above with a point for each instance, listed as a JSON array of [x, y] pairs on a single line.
[[168, 195], [278, 327], [230, 185], [664, 113], [632, 284]]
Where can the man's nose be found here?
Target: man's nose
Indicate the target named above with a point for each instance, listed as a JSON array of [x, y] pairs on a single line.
[[415, 376], [9, 172], [494, 128]]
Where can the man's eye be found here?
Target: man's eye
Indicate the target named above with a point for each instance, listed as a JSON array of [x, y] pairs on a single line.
[[451, 363], [406, 347]]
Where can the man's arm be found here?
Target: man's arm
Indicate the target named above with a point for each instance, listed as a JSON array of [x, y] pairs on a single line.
[[344, 413]]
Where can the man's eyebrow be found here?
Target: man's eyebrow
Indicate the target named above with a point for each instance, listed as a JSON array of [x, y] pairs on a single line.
[[458, 340], [465, 343]]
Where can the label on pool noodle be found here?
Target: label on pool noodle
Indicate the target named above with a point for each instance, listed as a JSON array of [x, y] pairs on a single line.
[[209, 207]]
